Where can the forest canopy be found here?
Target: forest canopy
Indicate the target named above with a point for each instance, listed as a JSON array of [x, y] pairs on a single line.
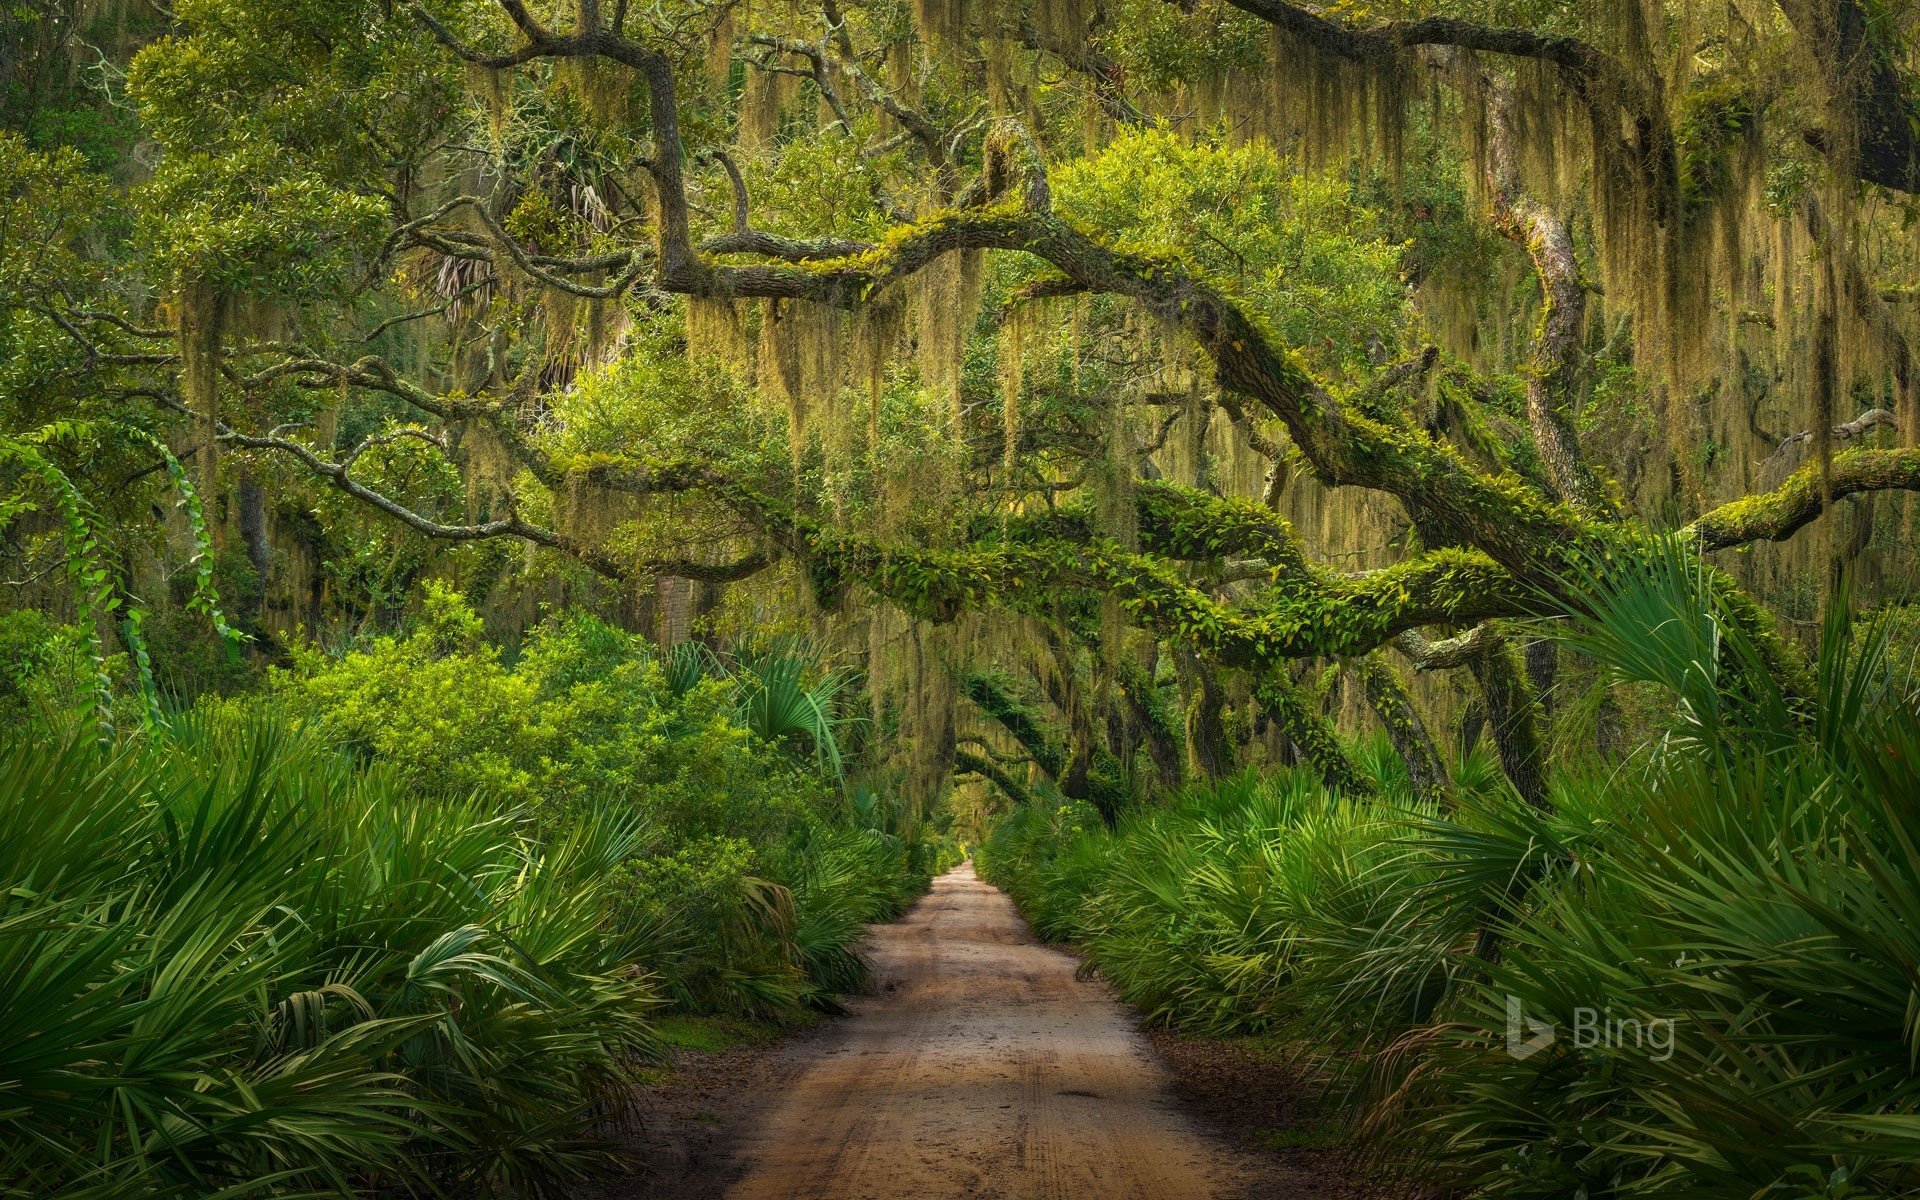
[[1203, 381]]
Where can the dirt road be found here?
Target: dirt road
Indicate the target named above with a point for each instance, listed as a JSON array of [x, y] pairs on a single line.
[[980, 1067]]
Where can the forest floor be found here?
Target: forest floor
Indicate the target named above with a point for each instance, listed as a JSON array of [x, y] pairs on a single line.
[[980, 1065]]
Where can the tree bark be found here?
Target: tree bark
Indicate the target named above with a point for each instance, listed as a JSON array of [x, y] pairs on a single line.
[[1387, 695], [1513, 718]]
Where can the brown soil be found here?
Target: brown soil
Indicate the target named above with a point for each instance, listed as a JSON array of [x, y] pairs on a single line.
[[693, 1120], [981, 1066], [1252, 1097]]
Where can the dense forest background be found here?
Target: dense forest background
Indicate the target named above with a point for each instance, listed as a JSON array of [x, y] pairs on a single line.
[[752, 449]]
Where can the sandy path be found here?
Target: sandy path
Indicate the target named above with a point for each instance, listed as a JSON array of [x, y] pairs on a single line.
[[981, 1067]]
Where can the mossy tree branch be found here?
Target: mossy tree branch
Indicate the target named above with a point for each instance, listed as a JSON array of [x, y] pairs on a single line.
[[1779, 514], [1387, 696], [994, 695], [1513, 707], [1513, 716], [1283, 702], [968, 761], [1553, 373]]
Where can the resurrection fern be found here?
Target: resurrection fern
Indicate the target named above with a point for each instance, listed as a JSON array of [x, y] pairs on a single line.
[[92, 587]]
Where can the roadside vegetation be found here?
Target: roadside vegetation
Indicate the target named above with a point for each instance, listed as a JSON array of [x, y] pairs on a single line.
[[405, 922], [1720, 930]]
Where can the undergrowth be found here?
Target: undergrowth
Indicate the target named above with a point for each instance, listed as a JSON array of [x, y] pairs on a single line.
[[1723, 931], [410, 923]]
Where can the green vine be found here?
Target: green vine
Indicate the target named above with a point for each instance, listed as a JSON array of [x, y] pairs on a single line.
[[95, 594]]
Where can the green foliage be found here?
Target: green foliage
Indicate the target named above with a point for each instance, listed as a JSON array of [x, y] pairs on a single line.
[[97, 595], [46, 200], [258, 966], [52, 211], [1295, 246], [1168, 45], [658, 404], [584, 715], [271, 182], [757, 876], [242, 968], [784, 699], [1746, 895], [57, 90], [819, 187], [1716, 115], [245, 222], [373, 563], [1207, 913], [1661, 616], [999, 696], [46, 675]]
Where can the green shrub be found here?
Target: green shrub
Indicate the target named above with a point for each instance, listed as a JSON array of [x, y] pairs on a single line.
[[587, 714], [44, 670], [754, 876], [247, 964], [1746, 889], [238, 967]]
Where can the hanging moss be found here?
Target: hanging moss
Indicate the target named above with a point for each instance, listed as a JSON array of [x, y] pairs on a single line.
[[719, 56], [944, 25], [1002, 94], [801, 362], [1063, 23], [716, 329], [768, 97], [1336, 110], [490, 86], [605, 89], [943, 308], [1716, 120], [1012, 393], [879, 337], [490, 469]]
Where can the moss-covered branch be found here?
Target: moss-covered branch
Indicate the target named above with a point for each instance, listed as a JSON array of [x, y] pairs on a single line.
[[994, 694], [1388, 698], [1779, 514], [1430, 654], [1513, 711], [1188, 524], [1548, 239], [1310, 734], [1333, 618], [338, 476], [967, 761]]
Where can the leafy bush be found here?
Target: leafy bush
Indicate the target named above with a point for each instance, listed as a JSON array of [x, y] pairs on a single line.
[[587, 713], [240, 968], [44, 672], [1207, 913], [1741, 900], [753, 877], [1297, 245], [247, 964]]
